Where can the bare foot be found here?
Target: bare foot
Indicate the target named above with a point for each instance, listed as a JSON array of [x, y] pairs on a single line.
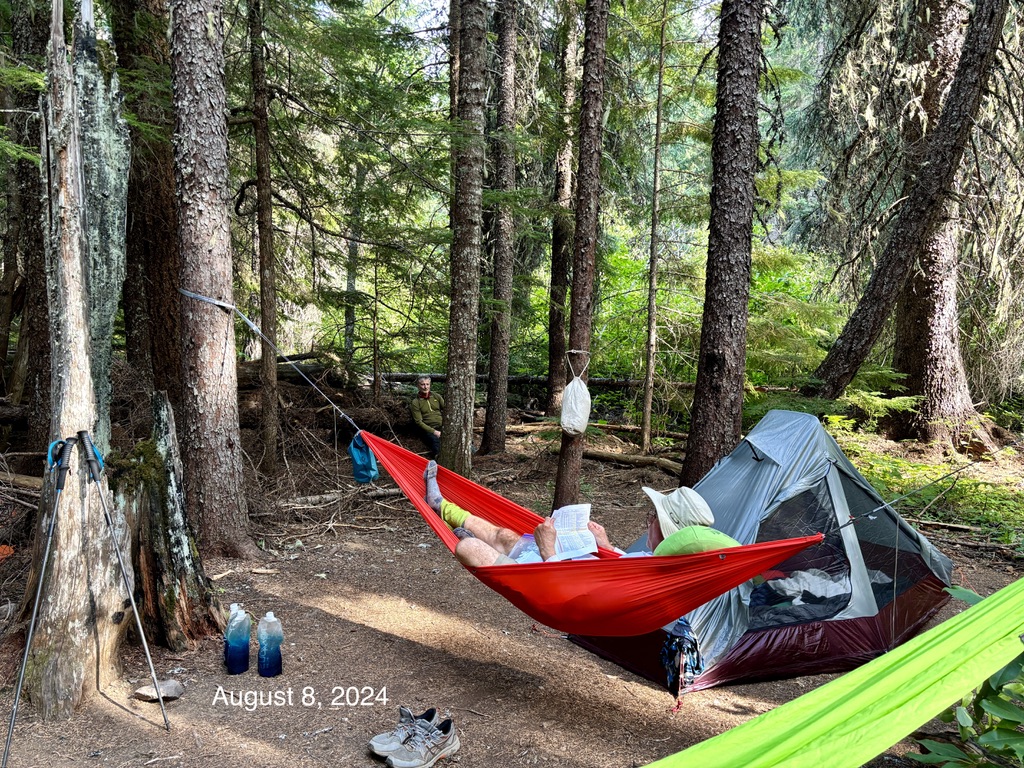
[[600, 534], [545, 535], [433, 497]]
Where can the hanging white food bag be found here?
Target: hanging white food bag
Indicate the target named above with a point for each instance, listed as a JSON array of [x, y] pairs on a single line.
[[575, 407]]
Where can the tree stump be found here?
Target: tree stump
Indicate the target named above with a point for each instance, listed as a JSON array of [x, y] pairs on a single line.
[[176, 602]]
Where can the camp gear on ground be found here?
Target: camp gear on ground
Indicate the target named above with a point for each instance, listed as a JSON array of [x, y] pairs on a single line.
[[426, 746], [384, 744], [270, 635], [236, 640], [610, 595]]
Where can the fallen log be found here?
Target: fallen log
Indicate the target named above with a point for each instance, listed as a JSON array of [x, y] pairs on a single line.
[[672, 467], [28, 482]]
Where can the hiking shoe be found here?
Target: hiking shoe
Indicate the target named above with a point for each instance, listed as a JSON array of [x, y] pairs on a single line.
[[426, 746], [462, 533], [384, 744]]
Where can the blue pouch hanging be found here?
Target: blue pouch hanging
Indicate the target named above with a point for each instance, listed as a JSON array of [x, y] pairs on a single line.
[[364, 463]]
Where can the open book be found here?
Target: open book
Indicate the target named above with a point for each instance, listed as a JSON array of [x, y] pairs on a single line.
[[574, 538]]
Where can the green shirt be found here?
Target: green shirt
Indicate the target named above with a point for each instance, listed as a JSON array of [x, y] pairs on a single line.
[[426, 412]]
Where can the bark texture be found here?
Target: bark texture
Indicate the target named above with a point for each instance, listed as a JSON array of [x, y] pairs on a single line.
[[210, 435], [31, 379], [467, 218], [265, 237], [178, 605], [493, 440], [651, 351], [588, 200], [562, 221], [81, 619], [716, 418], [927, 342], [921, 212], [152, 304]]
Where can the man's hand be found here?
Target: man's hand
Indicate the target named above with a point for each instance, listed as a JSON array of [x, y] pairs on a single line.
[[545, 535]]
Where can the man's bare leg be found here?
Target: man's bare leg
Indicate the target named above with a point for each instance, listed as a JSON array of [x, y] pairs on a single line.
[[476, 553]]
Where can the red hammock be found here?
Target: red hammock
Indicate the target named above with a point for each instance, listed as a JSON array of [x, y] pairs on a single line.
[[610, 596]]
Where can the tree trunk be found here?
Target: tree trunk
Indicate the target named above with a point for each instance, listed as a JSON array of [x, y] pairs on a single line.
[[210, 435], [81, 618], [588, 199], [927, 343], [457, 435], [493, 440], [716, 418], [265, 237], [177, 603], [562, 222], [921, 212], [31, 378], [652, 262], [152, 305]]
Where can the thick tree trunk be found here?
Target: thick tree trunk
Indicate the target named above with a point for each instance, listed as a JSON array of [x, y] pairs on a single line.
[[152, 305], [178, 606], [265, 236], [588, 200], [562, 221], [493, 440], [457, 435], [927, 343], [716, 418], [81, 618], [210, 435], [921, 212], [928, 346], [31, 378]]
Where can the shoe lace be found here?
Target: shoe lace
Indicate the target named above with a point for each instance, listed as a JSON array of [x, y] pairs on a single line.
[[425, 737]]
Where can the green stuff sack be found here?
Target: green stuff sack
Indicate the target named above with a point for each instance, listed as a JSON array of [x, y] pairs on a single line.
[[693, 539]]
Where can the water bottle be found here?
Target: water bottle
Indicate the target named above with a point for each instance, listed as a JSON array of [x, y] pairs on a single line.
[[270, 635], [236, 640]]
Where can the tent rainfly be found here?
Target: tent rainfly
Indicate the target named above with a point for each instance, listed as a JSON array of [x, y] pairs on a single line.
[[873, 583]]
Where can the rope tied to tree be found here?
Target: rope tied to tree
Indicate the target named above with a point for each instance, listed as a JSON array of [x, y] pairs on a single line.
[[255, 328]]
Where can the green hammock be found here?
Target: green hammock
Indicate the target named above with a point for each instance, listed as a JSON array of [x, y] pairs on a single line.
[[856, 717]]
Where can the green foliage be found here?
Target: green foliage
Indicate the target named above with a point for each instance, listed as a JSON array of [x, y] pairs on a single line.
[[22, 79], [958, 499], [988, 720], [12, 151], [877, 405]]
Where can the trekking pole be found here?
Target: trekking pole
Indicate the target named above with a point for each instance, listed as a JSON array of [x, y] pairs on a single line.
[[95, 464], [63, 449]]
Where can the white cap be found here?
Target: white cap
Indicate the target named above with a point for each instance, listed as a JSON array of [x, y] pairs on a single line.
[[679, 509], [270, 615]]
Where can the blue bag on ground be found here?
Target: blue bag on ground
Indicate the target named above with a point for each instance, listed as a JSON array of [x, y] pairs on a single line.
[[364, 463]]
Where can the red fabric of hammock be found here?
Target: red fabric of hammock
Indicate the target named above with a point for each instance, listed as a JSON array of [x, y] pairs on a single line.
[[609, 596]]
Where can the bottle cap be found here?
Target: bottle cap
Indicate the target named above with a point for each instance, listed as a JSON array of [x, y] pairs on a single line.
[[270, 615]]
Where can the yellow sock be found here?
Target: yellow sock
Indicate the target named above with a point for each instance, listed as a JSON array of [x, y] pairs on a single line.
[[453, 514]]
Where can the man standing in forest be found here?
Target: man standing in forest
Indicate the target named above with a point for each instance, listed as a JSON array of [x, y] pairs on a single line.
[[426, 413]]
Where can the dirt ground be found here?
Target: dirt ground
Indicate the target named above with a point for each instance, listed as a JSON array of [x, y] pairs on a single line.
[[377, 613]]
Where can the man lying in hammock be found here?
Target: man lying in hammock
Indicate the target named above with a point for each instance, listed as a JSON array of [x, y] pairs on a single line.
[[680, 525]]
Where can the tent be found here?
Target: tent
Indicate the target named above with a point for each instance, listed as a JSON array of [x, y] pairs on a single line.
[[871, 584]]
